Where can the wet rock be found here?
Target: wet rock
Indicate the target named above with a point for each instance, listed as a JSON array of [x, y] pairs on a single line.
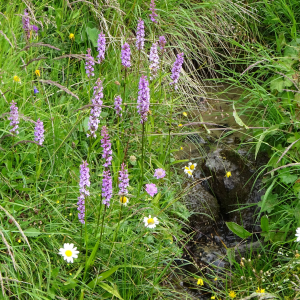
[[234, 191], [205, 209]]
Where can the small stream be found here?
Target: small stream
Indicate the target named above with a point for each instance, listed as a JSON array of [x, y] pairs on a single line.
[[215, 198]]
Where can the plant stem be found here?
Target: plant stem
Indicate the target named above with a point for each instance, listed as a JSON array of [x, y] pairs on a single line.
[[169, 137], [96, 231], [101, 232], [142, 161], [156, 269]]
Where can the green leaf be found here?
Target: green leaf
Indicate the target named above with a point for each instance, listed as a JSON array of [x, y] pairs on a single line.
[[264, 223], [112, 290], [264, 198], [32, 232], [238, 230], [238, 119], [296, 189], [288, 178], [277, 84], [179, 161], [70, 284], [231, 255], [102, 276], [268, 202], [93, 35]]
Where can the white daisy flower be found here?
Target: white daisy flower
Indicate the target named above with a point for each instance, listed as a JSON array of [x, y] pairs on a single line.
[[188, 171], [69, 252], [151, 222], [192, 166], [298, 234], [124, 200]]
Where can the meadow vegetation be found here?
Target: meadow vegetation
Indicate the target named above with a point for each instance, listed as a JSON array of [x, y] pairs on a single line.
[[94, 96]]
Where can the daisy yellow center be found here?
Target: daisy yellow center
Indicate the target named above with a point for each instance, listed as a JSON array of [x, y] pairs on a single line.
[[189, 172], [68, 253], [192, 167], [123, 199], [187, 168], [150, 221]]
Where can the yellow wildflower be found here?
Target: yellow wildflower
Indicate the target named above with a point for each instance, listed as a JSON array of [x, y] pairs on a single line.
[[181, 148], [216, 278], [19, 241], [228, 174], [57, 201], [260, 291], [213, 297], [200, 282], [180, 125], [185, 114], [37, 73], [232, 294], [72, 36], [17, 78]]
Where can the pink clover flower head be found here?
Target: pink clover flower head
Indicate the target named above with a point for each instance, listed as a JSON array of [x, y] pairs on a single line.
[[106, 188], [125, 55], [39, 132], [106, 145], [176, 70], [140, 35], [89, 69], [162, 43], [151, 189], [96, 109], [124, 180], [118, 108], [154, 61], [101, 47], [153, 14], [14, 118], [159, 173], [84, 183], [143, 100]]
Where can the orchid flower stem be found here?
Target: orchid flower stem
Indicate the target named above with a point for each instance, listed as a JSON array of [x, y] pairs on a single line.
[[142, 161]]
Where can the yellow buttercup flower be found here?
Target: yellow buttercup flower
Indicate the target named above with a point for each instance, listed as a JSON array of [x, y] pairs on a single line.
[[228, 174], [213, 297], [200, 282], [19, 241], [17, 78], [260, 291], [37, 73], [232, 294], [72, 36], [216, 278], [180, 125], [185, 114], [181, 148]]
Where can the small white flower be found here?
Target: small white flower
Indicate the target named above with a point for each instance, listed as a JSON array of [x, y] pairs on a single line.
[[298, 234], [188, 171], [124, 200], [69, 252], [150, 222], [192, 166]]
